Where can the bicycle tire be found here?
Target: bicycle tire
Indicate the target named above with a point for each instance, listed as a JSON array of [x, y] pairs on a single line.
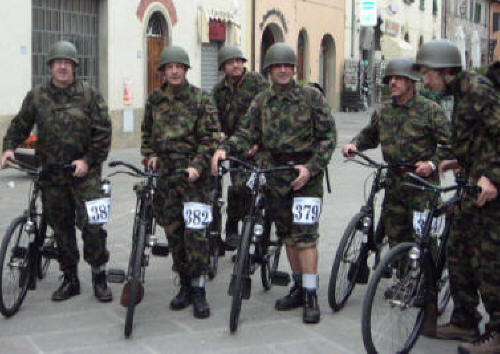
[[241, 264], [270, 252], [135, 278], [343, 265], [443, 284], [213, 264], [22, 267], [390, 298]]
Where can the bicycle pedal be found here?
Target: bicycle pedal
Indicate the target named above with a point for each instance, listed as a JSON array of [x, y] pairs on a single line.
[[116, 275], [280, 278], [49, 252], [247, 287], [160, 249]]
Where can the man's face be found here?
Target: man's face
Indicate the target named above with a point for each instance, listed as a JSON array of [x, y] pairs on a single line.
[[175, 73], [233, 68], [432, 79], [281, 74], [400, 86], [63, 72]]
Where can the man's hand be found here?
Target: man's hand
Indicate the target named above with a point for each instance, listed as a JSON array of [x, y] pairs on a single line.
[[346, 150], [488, 193], [6, 156], [218, 155], [193, 174], [446, 165], [302, 178], [252, 150], [424, 168], [150, 162], [81, 168]]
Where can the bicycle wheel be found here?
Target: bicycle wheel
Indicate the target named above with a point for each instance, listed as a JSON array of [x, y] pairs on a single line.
[[213, 256], [241, 269], [15, 266], [48, 244], [393, 309], [346, 266], [271, 249], [135, 276]]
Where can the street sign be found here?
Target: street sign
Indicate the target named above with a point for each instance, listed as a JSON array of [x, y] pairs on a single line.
[[368, 13]]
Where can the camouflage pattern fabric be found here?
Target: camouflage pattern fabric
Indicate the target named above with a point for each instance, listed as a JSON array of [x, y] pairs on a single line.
[[415, 131], [293, 120], [180, 127], [474, 245], [72, 123], [232, 102]]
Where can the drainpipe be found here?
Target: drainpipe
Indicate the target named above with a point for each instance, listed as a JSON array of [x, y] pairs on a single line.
[[252, 50], [353, 24]]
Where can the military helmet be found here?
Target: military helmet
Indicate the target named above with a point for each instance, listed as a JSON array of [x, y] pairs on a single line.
[[229, 52], [279, 53], [400, 67], [62, 50], [438, 53], [173, 54]]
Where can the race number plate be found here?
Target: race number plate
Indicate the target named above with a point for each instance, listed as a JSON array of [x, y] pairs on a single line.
[[197, 216], [98, 210], [306, 211], [419, 218]]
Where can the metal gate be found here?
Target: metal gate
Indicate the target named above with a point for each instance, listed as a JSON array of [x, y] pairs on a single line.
[[76, 21], [209, 69]]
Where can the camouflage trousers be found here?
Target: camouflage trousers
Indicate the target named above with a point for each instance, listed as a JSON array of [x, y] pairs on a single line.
[[279, 204], [189, 247], [238, 197], [399, 204], [64, 202], [473, 252]]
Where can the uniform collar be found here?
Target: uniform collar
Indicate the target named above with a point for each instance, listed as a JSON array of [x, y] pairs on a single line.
[[68, 90], [179, 93], [288, 91], [229, 83], [408, 103]]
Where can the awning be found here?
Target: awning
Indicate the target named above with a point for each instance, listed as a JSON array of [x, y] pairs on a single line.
[[395, 47], [227, 16]]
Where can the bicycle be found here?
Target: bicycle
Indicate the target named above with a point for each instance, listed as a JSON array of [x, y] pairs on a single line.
[[360, 238], [394, 309], [257, 247], [28, 244], [144, 240], [214, 230]]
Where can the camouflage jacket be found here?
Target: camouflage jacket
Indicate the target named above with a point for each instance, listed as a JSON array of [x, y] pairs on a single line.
[[294, 119], [182, 122], [415, 131], [232, 101], [476, 125], [72, 123]]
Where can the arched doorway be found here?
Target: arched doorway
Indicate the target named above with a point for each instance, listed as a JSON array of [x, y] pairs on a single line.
[[327, 64], [272, 34], [303, 56], [157, 38]]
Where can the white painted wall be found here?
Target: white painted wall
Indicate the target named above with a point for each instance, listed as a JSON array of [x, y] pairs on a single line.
[[15, 54]]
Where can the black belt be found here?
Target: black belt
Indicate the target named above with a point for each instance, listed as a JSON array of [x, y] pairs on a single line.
[[296, 157]]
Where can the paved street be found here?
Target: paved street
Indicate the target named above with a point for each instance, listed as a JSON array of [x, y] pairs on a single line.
[[81, 325]]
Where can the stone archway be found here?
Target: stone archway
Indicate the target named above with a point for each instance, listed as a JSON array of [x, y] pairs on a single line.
[[271, 34], [327, 65]]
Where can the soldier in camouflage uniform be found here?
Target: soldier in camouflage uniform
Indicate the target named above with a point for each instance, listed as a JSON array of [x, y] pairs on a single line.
[[232, 96], [473, 249], [180, 130], [74, 128], [409, 129], [290, 122]]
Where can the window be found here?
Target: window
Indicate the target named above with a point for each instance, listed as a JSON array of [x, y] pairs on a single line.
[[495, 21], [434, 7], [477, 13], [422, 4], [72, 20]]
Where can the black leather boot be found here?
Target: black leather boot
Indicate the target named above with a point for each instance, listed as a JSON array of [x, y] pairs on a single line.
[[311, 313], [200, 304], [101, 290], [183, 297], [295, 297], [232, 237], [69, 287]]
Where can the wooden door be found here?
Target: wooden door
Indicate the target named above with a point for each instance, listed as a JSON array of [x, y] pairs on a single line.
[[155, 45]]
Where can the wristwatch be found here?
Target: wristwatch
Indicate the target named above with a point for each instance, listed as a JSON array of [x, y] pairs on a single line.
[[433, 165]]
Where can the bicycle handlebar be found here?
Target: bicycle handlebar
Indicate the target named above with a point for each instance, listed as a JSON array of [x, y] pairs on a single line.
[[248, 167], [23, 166], [139, 173], [426, 185], [372, 163]]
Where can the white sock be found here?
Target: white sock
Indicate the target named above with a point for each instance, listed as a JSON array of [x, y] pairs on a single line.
[[310, 281]]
